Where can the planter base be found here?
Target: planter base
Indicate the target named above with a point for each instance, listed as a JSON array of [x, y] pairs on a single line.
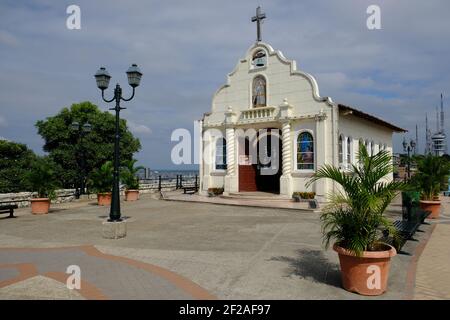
[[114, 230], [365, 275], [104, 199], [131, 195], [40, 206], [433, 206]]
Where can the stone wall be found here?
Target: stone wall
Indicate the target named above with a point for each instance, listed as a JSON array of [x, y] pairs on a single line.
[[23, 198]]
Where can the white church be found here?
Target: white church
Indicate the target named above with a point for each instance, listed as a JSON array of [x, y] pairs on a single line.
[[269, 109]]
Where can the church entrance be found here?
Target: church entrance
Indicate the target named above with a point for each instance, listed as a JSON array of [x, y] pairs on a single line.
[[260, 162]]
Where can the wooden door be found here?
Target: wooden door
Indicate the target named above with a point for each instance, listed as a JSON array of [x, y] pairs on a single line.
[[247, 170]]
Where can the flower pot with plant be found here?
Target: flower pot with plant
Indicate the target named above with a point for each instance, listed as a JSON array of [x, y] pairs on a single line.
[[42, 180], [303, 196], [354, 217], [130, 180], [213, 192], [101, 181], [432, 172]]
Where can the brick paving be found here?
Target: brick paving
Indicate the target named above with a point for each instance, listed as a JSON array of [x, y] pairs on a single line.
[[176, 251], [102, 276], [433, 268]]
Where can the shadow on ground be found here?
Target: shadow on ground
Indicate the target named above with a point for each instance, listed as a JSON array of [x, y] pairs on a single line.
[[312, 265]]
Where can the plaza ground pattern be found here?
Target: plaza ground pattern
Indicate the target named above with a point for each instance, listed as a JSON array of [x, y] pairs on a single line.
[[179, 250]]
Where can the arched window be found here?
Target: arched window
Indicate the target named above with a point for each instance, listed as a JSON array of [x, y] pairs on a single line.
[[349, 151], [305, 151], [341, 150], [259, 92], [221, 154]]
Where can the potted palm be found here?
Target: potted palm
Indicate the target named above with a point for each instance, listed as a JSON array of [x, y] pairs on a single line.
[[354, 217], [42, 180], [101, 181], [130, 180], [431, 171]]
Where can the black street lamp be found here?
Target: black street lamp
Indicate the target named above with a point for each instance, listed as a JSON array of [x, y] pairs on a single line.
[[408, 147], [102, 78], [81, 130]]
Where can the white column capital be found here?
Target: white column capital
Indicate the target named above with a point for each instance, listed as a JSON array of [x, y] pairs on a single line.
[[230, 116], [285, 110]]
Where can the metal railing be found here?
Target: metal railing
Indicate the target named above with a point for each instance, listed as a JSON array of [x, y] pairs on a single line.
[[178, 182]]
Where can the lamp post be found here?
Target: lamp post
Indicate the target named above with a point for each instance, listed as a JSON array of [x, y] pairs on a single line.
[[102, 78], [81, 130], [408, 147]]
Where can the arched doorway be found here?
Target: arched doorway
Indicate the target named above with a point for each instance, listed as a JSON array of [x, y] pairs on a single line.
[[260, 162]]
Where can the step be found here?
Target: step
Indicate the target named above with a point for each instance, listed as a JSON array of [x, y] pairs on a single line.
[[256, 196]]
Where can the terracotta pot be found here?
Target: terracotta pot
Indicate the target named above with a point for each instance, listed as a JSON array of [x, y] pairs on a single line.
[[368, 274], [131, 195], [40, 205], [104, 199], [433, 206]]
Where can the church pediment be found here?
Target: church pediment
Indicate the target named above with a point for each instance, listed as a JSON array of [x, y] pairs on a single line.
[[264, 77]]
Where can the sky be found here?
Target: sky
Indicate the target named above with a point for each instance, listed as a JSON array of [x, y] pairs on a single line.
[[186, 48]]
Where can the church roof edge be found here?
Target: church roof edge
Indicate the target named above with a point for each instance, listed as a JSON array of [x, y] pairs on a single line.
[[372, 118]]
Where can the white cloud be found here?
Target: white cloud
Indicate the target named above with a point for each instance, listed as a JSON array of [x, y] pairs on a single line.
[[185, 50], [138, 128]]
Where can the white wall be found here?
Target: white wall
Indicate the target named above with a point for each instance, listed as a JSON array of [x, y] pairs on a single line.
[[283, 81]]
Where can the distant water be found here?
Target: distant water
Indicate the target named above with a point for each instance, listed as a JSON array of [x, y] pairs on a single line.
[[153, 174]]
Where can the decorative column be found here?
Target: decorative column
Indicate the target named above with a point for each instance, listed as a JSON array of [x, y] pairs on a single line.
[[231, 179], [231, 163], [286, 147], [286, 178], [321, 145]]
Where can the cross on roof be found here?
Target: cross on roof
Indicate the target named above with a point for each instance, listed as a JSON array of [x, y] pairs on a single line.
[[258, 18]]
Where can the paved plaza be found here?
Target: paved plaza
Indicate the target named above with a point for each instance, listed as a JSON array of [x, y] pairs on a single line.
[[180, 250]]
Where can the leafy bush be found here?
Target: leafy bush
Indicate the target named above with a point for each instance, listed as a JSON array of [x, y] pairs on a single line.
[[42, 177], [215, 191], [304, 195], [15, 162], [354, 216], [432, 173], [128, 174], [101, 179]]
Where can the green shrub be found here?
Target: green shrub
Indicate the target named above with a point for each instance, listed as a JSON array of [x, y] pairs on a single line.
[[215, 191], [128, 174], [101, 179], [304, 195], [355, 216], [42, 177], [432, 172]]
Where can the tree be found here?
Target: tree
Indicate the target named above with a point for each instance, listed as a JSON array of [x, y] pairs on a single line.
[[15, 161], [62, 142]]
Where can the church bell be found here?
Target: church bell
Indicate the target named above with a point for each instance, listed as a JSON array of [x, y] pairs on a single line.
[[259, 62]]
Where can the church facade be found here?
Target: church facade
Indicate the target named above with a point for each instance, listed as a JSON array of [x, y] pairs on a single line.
[[270, 130]]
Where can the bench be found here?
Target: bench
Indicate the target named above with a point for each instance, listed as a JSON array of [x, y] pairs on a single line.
[[405, 228], [8, 208], [190, 190]]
